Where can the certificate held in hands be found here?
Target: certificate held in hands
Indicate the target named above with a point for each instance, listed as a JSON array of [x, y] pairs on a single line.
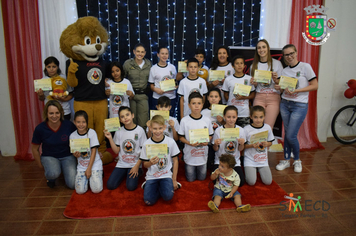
[[230, 134], [44, 84], [199, 135], [288, 82], [217, 110], [112, 124], [164, 114], [79, 145], [263, 76], [182, 66], [241, 89], [156, 150], [216, 75], [118, 89], [168, 85], [259, 137]]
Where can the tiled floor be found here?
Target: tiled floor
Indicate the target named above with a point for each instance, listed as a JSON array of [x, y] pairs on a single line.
[[29, 207]]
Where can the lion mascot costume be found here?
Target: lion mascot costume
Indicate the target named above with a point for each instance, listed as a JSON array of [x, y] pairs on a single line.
[[83, 42]]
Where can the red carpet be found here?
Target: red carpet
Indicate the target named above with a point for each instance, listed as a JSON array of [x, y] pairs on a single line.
[[191, 197]]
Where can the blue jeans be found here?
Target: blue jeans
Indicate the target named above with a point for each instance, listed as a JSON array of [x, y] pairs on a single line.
[[193, 173], [95, 180], [293, 115], [218, 192], [54, 166], [118, 175], [154, 188]]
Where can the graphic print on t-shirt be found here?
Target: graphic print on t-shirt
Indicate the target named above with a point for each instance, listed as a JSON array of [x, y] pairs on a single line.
[[224, 182], [94, 75], [230, 147], [162, 163], [129, 146]]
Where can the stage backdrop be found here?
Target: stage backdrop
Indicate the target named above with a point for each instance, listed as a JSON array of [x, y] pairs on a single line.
[[182, 26]]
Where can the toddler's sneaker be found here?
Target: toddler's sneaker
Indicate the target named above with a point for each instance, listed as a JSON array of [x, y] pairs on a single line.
[[297, 166], [244, 208], [213, 207], [51, 184], [283, 164], [179, 185]]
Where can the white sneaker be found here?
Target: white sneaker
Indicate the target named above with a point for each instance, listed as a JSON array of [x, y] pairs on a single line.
[[297, 166], [283, 164], [143, 184]]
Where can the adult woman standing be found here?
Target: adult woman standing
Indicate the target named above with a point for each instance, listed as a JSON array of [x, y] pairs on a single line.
[[266, 94], [53, 133], [294, 104], [137, 70]]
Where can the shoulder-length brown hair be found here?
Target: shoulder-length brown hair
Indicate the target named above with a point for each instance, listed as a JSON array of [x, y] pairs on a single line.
[[52, 103], [257, 58]]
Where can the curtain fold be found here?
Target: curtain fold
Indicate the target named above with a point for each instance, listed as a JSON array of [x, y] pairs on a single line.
[[23, 57], [307, 135]]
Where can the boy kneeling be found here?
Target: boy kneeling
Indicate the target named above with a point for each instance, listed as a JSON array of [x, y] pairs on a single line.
[[159, 153], [227, 183]]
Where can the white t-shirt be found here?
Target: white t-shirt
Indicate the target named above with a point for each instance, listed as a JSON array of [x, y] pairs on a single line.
[[84, 159], [304, 73], [194, 156], [256, 157], [241, 105], [214, 122], [268, 88], [228, 147], [65, 105], [130, 143], [187, 86], [158, 74], [116, 101], [229, 70], [169, 131], [163, 168]]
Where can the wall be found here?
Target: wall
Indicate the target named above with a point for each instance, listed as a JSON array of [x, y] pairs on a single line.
[[336, 66], [7, 133]]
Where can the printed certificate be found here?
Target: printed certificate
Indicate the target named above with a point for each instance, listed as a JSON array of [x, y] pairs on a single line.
[[288, 82], [259, 137], [168, 85], [79, 145], [241, 89], [44, 84], [156, 150], [263, 76], [216, 75], [165, 114], [199, 135], [217, 110], [118, 88], [182, 66], [230, 134], [112, 124]]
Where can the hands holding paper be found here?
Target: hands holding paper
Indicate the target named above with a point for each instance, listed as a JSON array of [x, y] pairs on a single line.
[[76, 154], [154, 160], [198, 144]]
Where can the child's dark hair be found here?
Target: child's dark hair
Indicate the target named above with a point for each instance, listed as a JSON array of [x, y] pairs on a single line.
[[200, 51], [207, 103], [164, 101], [228, 159], [117, 64], [161, 47], [231, 108], [124, 108], [194, 95], [237, 57], [257, 108], [81, 113], [50, 60], [191, 60]]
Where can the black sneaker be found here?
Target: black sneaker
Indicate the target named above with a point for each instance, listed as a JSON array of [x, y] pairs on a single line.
[[51, 184]]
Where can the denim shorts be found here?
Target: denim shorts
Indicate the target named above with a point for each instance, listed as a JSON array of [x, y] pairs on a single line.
[[218, 192]]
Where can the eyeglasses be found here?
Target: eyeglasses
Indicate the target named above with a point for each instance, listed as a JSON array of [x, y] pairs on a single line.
[[289, 55]]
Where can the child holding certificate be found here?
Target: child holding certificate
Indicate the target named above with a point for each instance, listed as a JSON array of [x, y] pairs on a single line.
[[162, 79], [266, 94], [195, 131], [164, 104], [160, 156], [116, 97], [90, 166], [259, 136], [192, 83], [241, 102], [127, 143], [230, 139], [226, 185]]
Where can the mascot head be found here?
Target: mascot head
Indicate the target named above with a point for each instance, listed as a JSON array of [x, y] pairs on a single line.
[[84, 40]]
